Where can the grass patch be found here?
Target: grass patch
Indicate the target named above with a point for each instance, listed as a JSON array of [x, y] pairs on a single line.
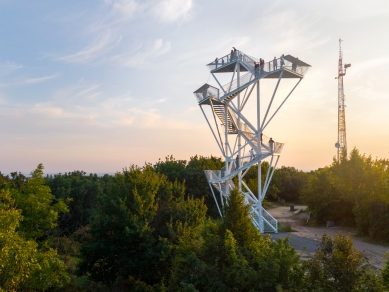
[[285, 228]]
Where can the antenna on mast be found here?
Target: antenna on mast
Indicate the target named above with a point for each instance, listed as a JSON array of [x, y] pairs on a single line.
[[341, 145]]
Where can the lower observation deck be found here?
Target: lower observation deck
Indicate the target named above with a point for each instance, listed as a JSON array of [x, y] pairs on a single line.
[[236, 166]]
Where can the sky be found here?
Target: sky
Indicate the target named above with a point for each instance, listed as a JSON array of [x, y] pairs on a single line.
[[101, 85]]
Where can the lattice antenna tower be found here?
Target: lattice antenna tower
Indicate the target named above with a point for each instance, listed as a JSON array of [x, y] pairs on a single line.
[[242, 142], [341, 145]]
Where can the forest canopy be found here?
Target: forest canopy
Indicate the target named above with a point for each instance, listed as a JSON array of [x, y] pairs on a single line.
[[156, 228]]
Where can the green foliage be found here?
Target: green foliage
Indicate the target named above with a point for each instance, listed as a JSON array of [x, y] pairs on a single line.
[[337, 266], [81, 192], [236, 219], [172, 168], [34, 198], [290, 182], [354, 191], [233, 256], [25, 266], [134, 227], [192, 175], [385, 272], [324, 199], [145, 229]]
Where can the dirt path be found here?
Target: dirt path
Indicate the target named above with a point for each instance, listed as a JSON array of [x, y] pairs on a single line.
[[308, 237]]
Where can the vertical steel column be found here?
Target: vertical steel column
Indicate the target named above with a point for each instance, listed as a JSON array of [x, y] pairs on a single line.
[[226, 143], [259, 130], [239, 130]]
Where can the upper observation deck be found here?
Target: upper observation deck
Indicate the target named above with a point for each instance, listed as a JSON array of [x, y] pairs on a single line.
[[283, 67], [294, 68]]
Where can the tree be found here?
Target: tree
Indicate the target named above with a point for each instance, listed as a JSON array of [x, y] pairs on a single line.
[[81, 192], [134, 227], [385, 272], [25, 266], [291, 183], [337, 266], [233, 256], [196, 183], [323, 197], [39, 209], [172, 168]]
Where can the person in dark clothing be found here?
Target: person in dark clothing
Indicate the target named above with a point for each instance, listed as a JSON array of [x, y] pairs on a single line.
[[282, 61], [256, 69], [271, 144], [237, 162], [261, 65]]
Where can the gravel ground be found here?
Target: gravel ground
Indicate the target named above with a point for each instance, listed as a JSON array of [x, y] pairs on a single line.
[[298, 242], [308, 237]]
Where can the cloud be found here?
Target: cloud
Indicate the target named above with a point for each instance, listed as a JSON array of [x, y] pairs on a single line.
[[141, 57], [172, 10], [368, 64], [102, 44], [39, 79], [9, 67], [127, 8], [47, 109], [89, 93]]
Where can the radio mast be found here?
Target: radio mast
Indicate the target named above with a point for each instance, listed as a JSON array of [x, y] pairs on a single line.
[[341, 145]]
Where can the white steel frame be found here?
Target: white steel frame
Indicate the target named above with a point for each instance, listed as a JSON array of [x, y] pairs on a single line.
[[228, 108]]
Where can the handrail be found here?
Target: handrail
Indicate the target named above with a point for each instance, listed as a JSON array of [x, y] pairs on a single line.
[[268, 67], [254, 72]]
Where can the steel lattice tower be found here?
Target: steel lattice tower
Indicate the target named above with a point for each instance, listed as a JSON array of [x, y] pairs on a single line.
[[341, 145], [242, 142]]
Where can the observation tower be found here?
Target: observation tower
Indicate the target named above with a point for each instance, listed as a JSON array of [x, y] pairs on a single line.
[[241, 141]]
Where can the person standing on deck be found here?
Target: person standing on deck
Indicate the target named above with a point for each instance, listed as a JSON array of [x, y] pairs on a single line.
[[282, 61], [274, 63], [252, 156], [271, 144], [256, 69], [294, 66], [261, 64]]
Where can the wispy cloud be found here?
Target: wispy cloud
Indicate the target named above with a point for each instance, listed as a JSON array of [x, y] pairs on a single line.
[[144, 55], [127, 8], [172, 10], [9, 67], [368, 64], [39, 79], [28, 80], [89, 93], [50, 110], [102, 44]]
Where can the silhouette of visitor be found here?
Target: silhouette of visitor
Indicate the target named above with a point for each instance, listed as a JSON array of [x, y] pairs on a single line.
[[271, 144], [252, 156], [282, 61]]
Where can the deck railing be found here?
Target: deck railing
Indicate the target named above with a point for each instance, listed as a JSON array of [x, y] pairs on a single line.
[[206, 93], [272, 225], [228, 87], [266, 145], [268, 67]]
